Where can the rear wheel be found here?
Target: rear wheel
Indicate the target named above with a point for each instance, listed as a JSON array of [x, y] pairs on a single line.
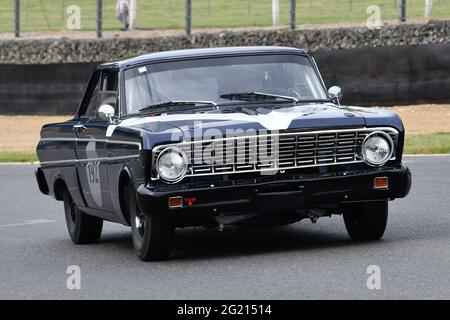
[[152, 239], [83, 229], [366, 221]]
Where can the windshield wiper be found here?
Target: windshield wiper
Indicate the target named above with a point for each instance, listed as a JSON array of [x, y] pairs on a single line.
[[176, 105], [257, 96]]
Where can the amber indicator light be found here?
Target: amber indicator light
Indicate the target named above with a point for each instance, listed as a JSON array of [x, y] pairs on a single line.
[[381, 183], [175, 202]]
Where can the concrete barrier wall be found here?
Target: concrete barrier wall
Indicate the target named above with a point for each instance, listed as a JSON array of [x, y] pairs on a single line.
[[368, 76], [42, 89], [389, 75], [44, 51]]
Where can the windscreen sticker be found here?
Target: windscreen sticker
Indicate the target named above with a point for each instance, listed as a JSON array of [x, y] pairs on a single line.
[[142, 69]]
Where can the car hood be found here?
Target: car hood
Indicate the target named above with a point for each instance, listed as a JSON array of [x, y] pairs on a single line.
[[310, 116]]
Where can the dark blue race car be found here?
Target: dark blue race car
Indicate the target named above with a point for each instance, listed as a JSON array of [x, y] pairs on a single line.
[[227, 137]]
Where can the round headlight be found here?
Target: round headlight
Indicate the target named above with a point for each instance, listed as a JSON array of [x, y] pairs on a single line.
[[377, 148], [172, 164]]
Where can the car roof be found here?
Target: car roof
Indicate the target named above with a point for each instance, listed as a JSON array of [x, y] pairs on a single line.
[[198, 53]]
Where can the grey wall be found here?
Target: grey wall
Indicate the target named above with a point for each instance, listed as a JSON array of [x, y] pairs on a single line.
[[368, 76], [42, 89], [64, 50], [389, 75]]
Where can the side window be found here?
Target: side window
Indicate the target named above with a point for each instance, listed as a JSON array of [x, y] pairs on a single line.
[[102, 90], [108, 89], [91, 109]]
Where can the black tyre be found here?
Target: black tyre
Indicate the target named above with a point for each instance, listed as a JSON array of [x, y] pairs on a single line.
[[366, 221], [83, 228], [152, 239]]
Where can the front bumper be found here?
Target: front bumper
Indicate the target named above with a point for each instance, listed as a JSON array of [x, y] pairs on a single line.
[[275, 194]]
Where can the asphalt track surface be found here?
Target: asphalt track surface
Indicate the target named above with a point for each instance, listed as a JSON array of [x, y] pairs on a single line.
[[301, 261]]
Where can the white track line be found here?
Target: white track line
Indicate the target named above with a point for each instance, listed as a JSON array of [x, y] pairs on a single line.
[[27, 223], [18, 163], [428, 155]]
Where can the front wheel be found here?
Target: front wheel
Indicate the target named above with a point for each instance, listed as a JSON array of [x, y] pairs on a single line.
[[83, 229], [366, 221], [152, 238]]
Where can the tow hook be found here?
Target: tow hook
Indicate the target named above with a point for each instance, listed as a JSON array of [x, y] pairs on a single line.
[[315, 214], [314, 219]]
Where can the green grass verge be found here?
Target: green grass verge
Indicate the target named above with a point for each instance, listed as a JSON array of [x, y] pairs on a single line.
[[427, 143], [432, 143], [51, 15], [18, 157]]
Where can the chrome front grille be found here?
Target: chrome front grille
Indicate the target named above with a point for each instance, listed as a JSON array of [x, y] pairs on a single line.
[[276, 151]]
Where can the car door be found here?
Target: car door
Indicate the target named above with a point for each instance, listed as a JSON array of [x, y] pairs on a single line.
[[91, 147], [56, 152]]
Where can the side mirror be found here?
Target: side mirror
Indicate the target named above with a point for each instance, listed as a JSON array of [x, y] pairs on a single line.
[[106, 112], [335, 94]]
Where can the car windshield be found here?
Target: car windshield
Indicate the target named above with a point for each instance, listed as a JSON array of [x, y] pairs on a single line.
[[221, 80]]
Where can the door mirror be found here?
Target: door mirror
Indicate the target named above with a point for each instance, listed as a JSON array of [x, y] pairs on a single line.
[[106, 112], [335, 94]]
